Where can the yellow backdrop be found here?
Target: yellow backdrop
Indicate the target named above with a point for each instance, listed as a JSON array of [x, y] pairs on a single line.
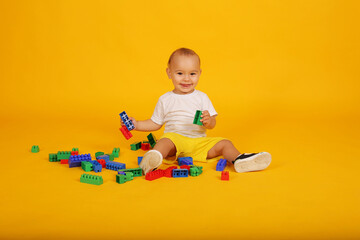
[[283, 76]]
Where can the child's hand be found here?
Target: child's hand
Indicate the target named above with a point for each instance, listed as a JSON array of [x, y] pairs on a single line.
[[206, 119], [132, 119]]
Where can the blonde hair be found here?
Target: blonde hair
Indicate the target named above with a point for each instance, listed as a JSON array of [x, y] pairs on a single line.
[[183, 51]]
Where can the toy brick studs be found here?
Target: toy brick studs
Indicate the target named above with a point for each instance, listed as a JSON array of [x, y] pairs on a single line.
[[220, 166], [35, 149], [91, 179], [225, 175], [197, 118]]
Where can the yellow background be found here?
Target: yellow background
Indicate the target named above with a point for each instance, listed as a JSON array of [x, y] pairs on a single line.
[[283, 76]]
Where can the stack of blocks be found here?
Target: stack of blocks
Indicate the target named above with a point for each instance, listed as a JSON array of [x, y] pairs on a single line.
[[75, 160], [128, 125]]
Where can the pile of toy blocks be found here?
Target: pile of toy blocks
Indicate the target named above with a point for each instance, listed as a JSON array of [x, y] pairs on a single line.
[[145, 145]]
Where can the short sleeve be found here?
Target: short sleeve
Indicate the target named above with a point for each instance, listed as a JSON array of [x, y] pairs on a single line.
[[158, 115], [207, 105]]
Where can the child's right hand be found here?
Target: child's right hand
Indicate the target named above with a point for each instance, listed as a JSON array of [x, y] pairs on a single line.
[[132, 119]]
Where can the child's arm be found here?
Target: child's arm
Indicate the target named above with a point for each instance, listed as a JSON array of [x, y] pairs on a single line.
[[208, 121], [144, 126]]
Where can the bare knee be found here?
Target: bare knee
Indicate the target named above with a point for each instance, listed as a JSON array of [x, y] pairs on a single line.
[[166, 147], [218, 148]]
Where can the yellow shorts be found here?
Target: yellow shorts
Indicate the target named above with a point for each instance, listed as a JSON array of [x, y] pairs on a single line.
[[197, 148]]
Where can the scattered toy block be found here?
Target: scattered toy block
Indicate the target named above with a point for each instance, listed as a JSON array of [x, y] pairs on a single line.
[[135, 146], [154, 174], [116, 152], [105, 157], [115, 166], [111, 156], [185, 167], [139, 160], [64, 161], [179, 173], [152, 140], [99, 154], [74, 153], [124, 177], [102, 162], [91, 179], [197, 118], [63, 155], [225, 175], [86, 166], [195, 171], [75, 150], [125, 119], [145, 146], [75, 160], [127, 134], [97, 167], [53, 157], [168, 171], [185, 161], [121, 172], [136, 171], [35, 149], [220, 166]]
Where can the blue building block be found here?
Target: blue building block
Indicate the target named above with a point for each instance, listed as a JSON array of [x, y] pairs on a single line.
[[115, 166], [97, 167], [75, 160], [128, 123], [105, 157], [139, 160], [220, 166], [178, 173], [121, 172], [185, 161]]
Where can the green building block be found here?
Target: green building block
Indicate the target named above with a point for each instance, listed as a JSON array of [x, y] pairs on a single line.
[[53, 157], [86, 166], [35, 149], [91, 179], [135, 146], [129, 176], [195, 170], [136, 171], [99, 154], [120, 178], [197, 118], [111, 156], [152, 140], [63, 155], [75, 150], [116, 152]]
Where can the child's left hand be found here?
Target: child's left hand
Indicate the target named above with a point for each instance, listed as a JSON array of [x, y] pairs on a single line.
[[206, 119]]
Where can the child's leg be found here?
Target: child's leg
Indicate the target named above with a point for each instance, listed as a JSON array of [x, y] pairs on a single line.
[[166, 147], [224, 148]]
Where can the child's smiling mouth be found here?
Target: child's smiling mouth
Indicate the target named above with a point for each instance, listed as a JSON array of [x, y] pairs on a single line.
[[185, 85]]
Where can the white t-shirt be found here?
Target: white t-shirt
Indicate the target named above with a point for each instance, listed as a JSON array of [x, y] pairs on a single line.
[[178, 112]]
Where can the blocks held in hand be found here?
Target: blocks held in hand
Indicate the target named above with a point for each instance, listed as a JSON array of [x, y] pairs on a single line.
[[197, 118], [128, 123], [127, 134]]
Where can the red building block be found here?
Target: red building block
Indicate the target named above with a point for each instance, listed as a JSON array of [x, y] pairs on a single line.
[[74, 153], [127, 134], [185, 167], [154, 174], [64, 161], [102, 162], [168, 171], [145, 146], [225, 175]]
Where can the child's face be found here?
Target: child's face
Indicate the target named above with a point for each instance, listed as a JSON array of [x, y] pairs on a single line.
[[184, 71]]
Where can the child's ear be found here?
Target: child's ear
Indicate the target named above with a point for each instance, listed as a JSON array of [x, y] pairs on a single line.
[[200, 72], [168, 73]]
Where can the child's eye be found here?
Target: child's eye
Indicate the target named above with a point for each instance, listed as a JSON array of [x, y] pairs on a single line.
[[193, 74], [179, 73]]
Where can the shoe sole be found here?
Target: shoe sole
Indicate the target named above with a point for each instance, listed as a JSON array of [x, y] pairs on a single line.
[[254, 163], [150, 161]]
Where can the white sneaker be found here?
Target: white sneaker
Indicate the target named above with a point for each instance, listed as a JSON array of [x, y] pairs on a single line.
[[152, 159], [248, 162]]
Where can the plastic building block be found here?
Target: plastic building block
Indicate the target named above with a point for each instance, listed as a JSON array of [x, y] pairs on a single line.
[[75, 150], [74, 153], [197, 118], [111, 156], [185, 161], [185, 167], [86, 166], [127, 134], [75, 160], [145, 146], [220, 166], [129, 176], [64, 161], [178, 173], [135, 146], [128, 123], [102, 162], [136, 171], [63, 155], [139, 160], [152, 140], [53, 157], [225, 175], [124, 177], [154, 174], [168, 171], [115, 166], [105, 157], [116, 152], [99, 154], [121, 172], [97, 167], [35, 149], [195, 171], [91, 179]]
